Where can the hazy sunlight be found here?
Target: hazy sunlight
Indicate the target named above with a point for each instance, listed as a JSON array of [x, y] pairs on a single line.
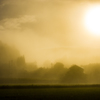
[[92, 20]]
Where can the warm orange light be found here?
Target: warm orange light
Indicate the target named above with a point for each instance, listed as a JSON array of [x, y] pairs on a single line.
[[92, 20]]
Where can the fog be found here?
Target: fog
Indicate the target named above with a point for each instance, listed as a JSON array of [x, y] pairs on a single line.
[[37, 34], [15, 70], [49, 30]]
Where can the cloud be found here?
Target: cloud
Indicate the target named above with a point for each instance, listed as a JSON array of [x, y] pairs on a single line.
[[15, 23], [1, 27]]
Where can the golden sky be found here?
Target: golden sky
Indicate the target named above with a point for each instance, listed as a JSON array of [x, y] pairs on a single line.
[[49, 30]]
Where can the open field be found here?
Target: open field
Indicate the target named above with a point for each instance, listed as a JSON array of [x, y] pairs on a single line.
[[50, 92]]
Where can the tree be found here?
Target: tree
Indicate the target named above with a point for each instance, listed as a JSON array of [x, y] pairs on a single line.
[[21, 61], [56, 71], [75, 74]]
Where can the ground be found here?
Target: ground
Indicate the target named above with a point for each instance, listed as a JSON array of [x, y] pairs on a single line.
[[50, 92]]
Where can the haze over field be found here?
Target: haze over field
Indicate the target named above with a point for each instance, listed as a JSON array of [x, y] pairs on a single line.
[[49, 42], [50, 30]]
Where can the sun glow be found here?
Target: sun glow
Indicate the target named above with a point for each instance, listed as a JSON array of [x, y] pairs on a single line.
[[92, 20]]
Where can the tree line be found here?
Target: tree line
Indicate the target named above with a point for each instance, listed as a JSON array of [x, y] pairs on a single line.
[[57, 73], [13, 68]]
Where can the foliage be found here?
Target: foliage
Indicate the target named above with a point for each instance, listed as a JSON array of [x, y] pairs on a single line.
[[14, 69]]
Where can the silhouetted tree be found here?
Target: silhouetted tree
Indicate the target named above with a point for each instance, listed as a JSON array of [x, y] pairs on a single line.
[[58, 66], [56, 71], [93, 73], [7, 53], [75, 74], [39, 73], [21, 61], [31, 67]]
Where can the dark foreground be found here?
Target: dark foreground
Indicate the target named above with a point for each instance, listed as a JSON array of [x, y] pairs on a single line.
[[50, 92]]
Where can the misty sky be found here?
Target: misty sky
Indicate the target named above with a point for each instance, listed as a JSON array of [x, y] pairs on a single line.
[[52, 30]]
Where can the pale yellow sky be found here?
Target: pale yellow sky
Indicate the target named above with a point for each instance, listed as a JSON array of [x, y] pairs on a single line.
[[49, 30]]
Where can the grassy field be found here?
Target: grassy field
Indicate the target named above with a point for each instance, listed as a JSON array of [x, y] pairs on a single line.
[[50, 92]]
